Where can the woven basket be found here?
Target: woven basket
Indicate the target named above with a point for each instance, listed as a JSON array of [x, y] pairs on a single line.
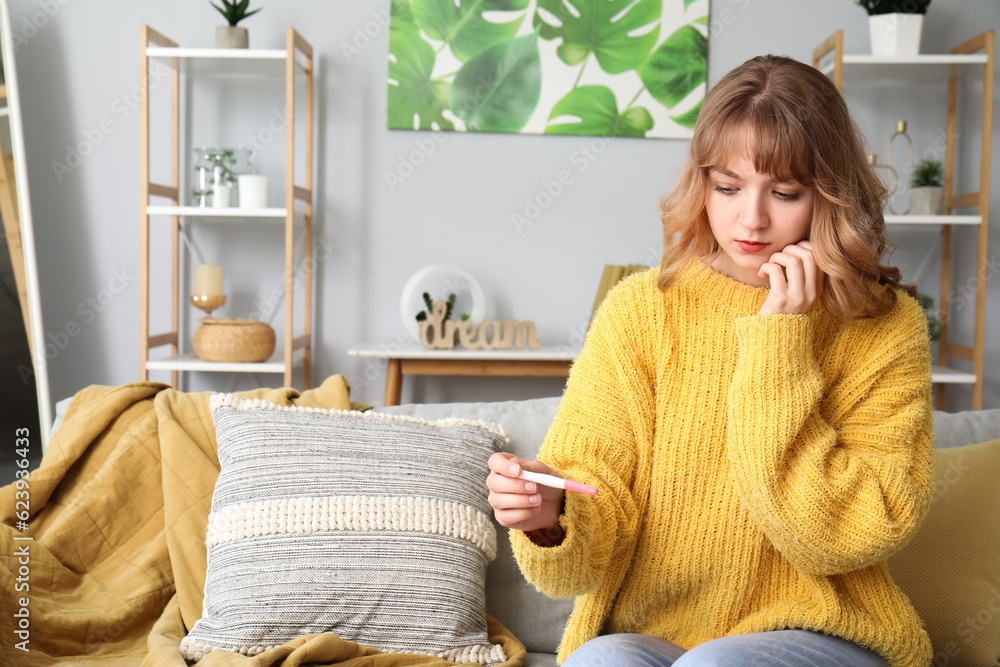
[[233, 340]]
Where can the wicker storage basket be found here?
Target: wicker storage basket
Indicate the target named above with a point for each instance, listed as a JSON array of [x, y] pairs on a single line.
[[233, 340]]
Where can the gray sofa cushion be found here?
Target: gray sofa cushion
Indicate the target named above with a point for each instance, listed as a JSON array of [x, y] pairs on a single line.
[[535, 619], [957, 429], [373, 511]]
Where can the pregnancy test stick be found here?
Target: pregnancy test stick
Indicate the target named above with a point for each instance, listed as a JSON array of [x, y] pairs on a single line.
[[557, 482]]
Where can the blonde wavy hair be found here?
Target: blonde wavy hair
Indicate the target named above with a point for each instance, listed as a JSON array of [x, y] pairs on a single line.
[[793, 123]]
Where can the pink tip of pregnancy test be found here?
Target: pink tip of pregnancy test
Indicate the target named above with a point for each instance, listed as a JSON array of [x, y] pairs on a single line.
[[580, 488]]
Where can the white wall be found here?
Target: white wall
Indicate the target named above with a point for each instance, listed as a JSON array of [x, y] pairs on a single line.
[[455, 209]]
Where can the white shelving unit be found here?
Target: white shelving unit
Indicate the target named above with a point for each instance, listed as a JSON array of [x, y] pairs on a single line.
[[948, 69], [296, 58]]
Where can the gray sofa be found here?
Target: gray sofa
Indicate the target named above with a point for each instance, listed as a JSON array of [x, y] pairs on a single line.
[[537, 620], [967, 634]]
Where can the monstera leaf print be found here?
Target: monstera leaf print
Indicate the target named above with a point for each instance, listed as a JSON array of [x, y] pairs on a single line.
[[412, 91], [677, 67], [595, 26], [499, 89], [622, 68], [462, 25], [598, 112], [688, 118]]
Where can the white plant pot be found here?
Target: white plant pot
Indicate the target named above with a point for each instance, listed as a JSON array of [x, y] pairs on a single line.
[[253, 190], [896, 35], [222, 195], [231, 37], [926, 201]]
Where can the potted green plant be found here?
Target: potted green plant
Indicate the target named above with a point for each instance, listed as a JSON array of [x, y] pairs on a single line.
[[933, 323], [232, 36], [895, 25], [422, 315], [927, 188]]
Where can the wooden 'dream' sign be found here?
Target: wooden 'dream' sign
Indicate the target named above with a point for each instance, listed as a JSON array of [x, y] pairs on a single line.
[[438, 333]]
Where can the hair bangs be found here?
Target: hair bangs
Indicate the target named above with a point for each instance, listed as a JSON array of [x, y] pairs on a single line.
[[764, 137]]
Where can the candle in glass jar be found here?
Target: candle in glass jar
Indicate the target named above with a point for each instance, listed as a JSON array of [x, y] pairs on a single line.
[[207, 280]]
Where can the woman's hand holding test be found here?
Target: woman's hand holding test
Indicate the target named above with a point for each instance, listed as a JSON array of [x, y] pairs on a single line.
[[796, 281], [517, 503]]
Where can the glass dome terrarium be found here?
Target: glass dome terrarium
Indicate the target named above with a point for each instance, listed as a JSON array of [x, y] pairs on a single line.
[[215, 175]]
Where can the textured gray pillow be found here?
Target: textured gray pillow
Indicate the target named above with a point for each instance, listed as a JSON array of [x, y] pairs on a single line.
[[374, 527]]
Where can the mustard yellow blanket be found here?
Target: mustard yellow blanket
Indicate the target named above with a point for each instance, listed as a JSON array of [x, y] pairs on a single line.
[[115, 571]]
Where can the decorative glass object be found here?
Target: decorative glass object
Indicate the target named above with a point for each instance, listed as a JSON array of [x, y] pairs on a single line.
[[892, 182], [901, 132], [215, 175]]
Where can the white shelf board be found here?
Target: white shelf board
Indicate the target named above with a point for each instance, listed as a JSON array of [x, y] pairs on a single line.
[[228, 61], [928, 67], [233, 54], [933, 219], [565, 352], [190, 362], [209, 212], [942, 374]]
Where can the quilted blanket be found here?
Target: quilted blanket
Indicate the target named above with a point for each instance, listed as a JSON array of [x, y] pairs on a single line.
[[114, 572]]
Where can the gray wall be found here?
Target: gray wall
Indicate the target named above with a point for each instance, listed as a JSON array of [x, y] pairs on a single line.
[[79, 69]]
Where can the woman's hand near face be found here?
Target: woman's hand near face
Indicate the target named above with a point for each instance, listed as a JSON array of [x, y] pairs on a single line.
[[796, 281], [519, 504]]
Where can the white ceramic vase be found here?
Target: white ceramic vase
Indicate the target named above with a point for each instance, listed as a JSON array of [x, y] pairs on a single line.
[[896, 35]]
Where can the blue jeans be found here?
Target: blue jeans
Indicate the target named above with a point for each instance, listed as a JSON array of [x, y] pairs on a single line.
[[778, 648]]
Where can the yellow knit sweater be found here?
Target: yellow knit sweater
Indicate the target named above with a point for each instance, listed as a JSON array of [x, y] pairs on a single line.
[[755, 471]]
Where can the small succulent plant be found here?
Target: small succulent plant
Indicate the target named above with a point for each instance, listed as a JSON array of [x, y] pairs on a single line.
[[234, 11], [422, 315], [927, 174]]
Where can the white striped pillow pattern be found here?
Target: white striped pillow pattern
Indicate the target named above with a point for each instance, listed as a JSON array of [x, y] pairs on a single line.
[[374, 527]]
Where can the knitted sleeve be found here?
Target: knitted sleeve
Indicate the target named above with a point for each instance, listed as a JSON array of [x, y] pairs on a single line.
[[833, 500], [600, 436]]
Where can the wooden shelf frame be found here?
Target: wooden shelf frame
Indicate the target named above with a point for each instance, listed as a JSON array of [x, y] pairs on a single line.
[[153, 44], [978, 51]]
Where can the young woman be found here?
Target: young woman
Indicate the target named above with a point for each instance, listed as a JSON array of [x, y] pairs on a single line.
[[756, 413]]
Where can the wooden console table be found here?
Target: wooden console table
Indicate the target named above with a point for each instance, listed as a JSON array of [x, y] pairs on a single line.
[[548, 361]]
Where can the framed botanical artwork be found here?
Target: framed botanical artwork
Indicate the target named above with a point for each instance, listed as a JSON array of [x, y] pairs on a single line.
[[631, 68]]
